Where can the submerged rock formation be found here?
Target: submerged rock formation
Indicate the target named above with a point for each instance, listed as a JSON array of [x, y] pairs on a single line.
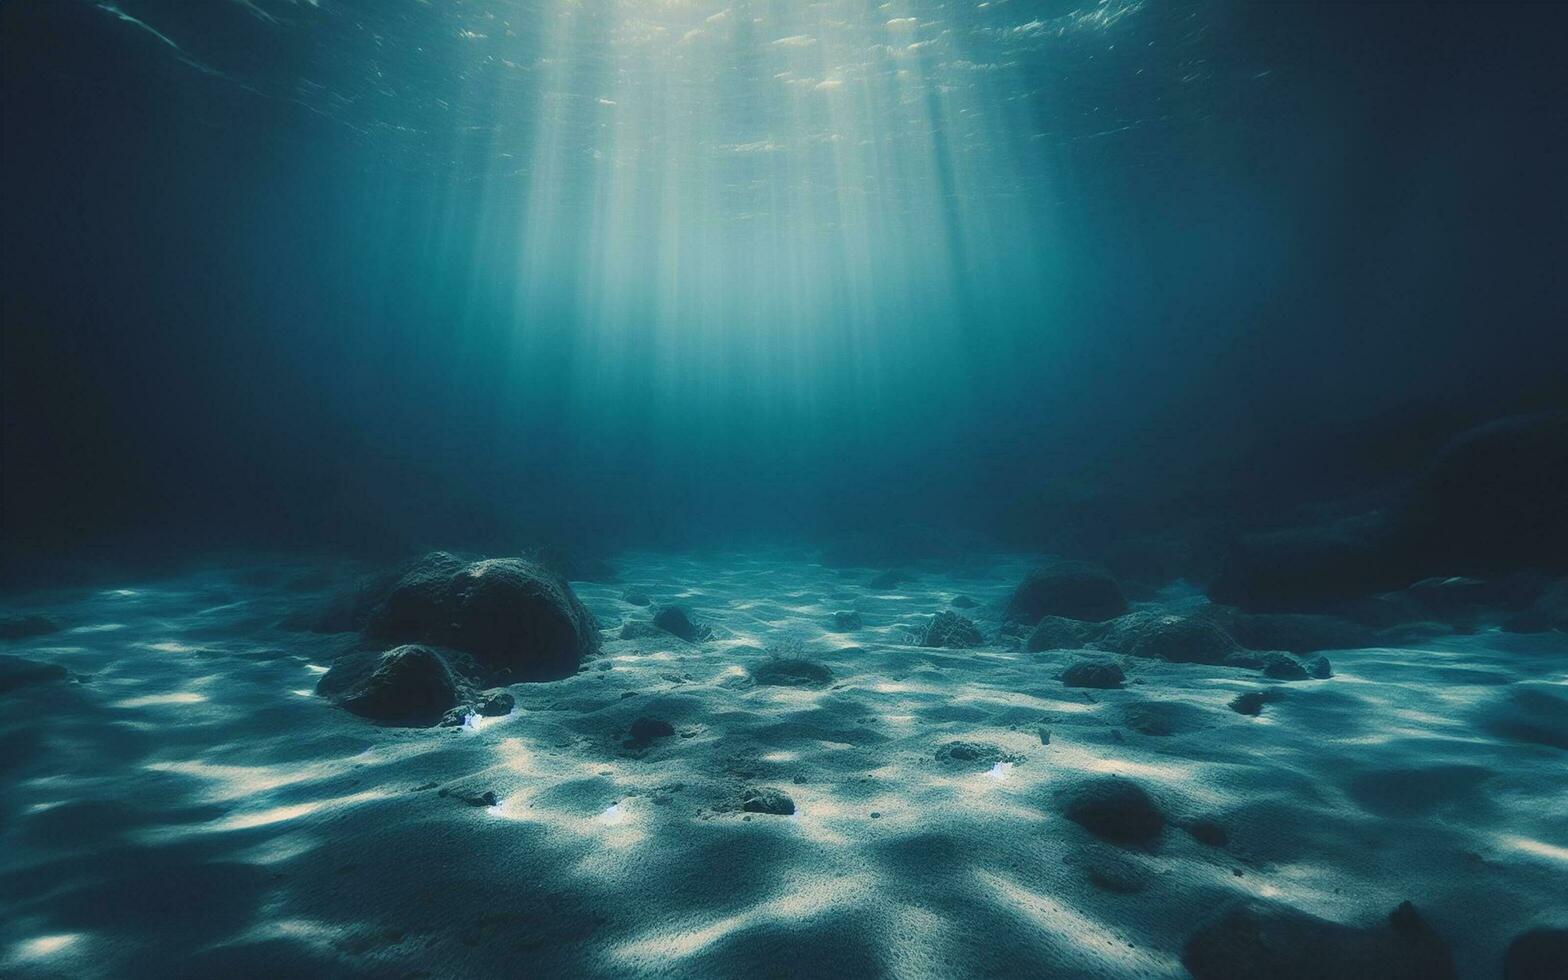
[[1070, 589], [515, 617], [410, 685]]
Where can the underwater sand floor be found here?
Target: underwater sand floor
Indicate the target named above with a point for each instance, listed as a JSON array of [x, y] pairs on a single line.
[[193, 809]]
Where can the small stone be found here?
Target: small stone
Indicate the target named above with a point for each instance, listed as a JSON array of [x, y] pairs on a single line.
[[676, 621], [767, 800], [1206, 831], [1100, 674], [636, 597], [847, 622], [1319, 668]]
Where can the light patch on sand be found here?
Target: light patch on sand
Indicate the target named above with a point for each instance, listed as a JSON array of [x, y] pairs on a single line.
[[1537, 848], [283, 814], [99, 628], [43, 947], [679, 943], [170, 646], [316, 668], [1073, 928], [157, 700]]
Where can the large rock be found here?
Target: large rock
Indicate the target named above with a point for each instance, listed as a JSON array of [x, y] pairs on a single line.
[[1169, 637], [1310, 568], [410, 685], [1070, 589], [1114, 809], [515, 617], [1059, 633], [1280, 943], [27, 627]]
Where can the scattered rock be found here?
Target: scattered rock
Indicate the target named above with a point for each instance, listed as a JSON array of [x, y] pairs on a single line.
[[978, 754], [640, 630], [889, 580], [1114, 809], [472, 797], [1252, 702], [1099, 674], [645, 731], [1058, 633], [27, 627], [514, 616], [410, 685], [1319, 668], [963, 602], [1283, 667], [1070, 589], [1206, 831], [1163, 636], [763, 799], [948, 629], [18, 672], [676, 621], [636, 597], [847, 622], [1540, 954], [791, 672], [1255, 940], [494, 703]]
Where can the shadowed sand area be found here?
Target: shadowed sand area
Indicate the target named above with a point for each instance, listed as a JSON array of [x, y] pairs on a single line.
[[189, 807]]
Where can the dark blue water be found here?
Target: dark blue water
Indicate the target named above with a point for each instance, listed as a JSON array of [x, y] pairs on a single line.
[[364, 274]]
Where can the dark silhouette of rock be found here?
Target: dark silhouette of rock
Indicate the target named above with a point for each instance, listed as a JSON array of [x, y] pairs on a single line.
[[409, 685], [1291, 632], [1548, 612], [17, 672], [963, 602], [791, 672], [513, 616], [847, 622], [1280, 943], [764, 799], [1305, 569], [1319, 667], [1070, 589], [948, 629], [1100, 674], [676, 621], [1540, 954], [889, 580], [1492, 500], [27, 627], [636, 597], [1114, 809]]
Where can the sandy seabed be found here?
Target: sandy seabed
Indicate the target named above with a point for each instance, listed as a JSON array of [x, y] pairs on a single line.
[[189, 806]]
